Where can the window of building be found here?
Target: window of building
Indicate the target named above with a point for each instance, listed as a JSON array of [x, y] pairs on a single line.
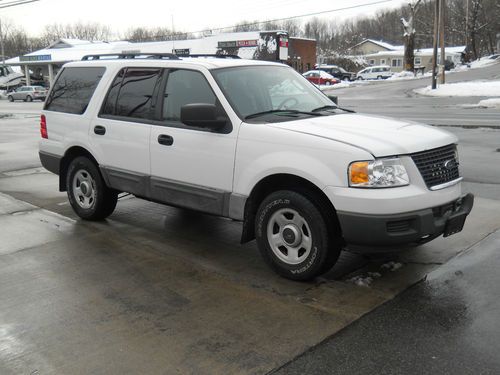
[[397, 62], [417, 61], [382, 61], [73, 89], [371, 62]]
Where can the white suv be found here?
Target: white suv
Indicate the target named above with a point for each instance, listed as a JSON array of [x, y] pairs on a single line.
[[253, 141]]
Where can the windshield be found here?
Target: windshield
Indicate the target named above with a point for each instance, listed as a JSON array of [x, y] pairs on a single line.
[[269, 89]]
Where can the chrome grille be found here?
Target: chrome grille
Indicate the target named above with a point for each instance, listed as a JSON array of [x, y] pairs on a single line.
[[437, 166]]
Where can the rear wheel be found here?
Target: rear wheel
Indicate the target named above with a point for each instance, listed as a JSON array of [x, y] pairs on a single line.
[[11, 98], [294, 237], [89, 196], [379, 77], [29, 98]]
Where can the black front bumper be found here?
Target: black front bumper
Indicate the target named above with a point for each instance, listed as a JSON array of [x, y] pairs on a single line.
[[409, 228]]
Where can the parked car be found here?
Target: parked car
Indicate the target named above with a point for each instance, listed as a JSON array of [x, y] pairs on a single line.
[[375, 72], [320, 77], [337, 72], [28, 93], [253, 141]]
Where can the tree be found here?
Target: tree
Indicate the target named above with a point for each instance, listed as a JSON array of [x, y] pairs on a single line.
[[409, 35]]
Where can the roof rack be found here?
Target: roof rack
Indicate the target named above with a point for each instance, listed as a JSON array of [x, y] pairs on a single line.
[[131, 55], [214, 55]]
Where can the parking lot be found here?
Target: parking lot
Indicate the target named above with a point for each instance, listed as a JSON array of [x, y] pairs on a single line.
[[155, 289]]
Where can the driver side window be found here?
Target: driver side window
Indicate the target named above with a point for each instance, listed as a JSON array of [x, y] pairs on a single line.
[[185, 87]]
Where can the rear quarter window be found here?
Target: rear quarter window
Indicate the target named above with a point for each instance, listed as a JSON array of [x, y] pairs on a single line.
[[73, 89]]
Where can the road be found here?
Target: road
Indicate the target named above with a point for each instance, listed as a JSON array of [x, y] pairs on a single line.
[[155, 289], [397, 99]]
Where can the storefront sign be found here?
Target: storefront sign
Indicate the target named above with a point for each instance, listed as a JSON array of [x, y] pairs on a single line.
[[35, 58], [181, 52], [237, 43]]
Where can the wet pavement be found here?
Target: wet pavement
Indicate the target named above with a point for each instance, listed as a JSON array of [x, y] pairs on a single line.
[[155, 289], [447, 324]]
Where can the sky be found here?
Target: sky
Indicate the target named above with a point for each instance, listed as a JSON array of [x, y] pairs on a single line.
[[188, 15]]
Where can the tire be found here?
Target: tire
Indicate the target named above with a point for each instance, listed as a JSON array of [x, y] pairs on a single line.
[[380, 77], [328, 83], [360, 78], [294, 237], [88, 194], [10, 98], [29, 98]]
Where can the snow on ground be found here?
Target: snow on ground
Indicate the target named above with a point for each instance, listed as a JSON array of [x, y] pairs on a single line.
[[481, 63], [486, 103], [470, 88], [405, 75]]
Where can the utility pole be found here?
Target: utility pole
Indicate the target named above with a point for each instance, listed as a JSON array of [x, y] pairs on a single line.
[[435, 43], [442, 5]]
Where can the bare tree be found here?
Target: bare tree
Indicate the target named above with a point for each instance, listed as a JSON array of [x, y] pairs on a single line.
[[409, 34]]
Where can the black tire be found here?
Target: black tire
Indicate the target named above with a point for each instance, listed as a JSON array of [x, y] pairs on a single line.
[[380, 77], [103, 202], [10, 98], [29, 98], [325, 245]]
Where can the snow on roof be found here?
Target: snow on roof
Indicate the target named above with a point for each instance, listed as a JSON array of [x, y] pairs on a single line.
[[380, 43], [418, 52]]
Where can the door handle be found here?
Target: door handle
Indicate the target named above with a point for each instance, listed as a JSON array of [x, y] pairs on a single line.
[[99, 130], [165, 140]]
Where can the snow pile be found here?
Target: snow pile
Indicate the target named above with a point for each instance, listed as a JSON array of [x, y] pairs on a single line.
[[470, 88], [481, 63], [364, 280], [486, 103], [405, 75], [3, 94]]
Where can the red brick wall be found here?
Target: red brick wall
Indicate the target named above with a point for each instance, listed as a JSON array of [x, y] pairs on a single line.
[[306, 50]]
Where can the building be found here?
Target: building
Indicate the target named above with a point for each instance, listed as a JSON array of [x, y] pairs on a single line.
[[370, 46], [265, 45], [423, 58]]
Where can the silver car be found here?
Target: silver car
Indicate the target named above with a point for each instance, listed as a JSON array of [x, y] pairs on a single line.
[[28, 93]]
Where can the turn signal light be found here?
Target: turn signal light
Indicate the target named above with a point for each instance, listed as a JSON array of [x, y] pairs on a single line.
[[43, 127], [358, 172]]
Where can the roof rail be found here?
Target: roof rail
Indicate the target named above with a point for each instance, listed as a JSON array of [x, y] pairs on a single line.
[[131, 55], [214, 55]]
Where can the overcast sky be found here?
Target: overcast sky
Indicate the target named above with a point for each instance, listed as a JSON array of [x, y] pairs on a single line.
[[188, 15]]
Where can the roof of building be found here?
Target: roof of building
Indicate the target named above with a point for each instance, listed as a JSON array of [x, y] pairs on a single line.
[[418, 52], [387, 46]]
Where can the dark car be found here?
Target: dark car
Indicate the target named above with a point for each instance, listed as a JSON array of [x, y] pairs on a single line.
[[338, 72]]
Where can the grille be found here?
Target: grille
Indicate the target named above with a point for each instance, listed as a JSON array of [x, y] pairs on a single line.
[[399, 226], [438, 166]]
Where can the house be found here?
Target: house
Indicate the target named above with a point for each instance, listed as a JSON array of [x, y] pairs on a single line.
[[423, 58], [370, 46]]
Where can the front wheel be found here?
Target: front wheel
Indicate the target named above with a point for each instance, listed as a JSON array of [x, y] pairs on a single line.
[[10, 98], [89, 196], [293, 236], [29, 98]]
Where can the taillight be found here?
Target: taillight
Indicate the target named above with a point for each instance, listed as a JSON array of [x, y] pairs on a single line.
[[43, 127]]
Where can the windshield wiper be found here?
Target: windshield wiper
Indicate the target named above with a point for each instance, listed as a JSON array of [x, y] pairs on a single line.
[[327, 107], [284, 111], [324, 108]]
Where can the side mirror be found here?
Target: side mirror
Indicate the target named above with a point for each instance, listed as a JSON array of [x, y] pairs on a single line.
[[201, 115], [334, 99]]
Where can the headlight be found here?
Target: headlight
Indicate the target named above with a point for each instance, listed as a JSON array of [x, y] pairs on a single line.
[[380, 173]]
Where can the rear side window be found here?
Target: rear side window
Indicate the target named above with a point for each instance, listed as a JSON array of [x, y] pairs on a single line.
[[74, 89], [131, 93]]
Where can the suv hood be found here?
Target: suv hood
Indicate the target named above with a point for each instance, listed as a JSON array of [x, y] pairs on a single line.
[[381, 136]]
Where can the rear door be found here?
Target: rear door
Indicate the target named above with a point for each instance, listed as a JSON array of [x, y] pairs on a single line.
[[120, 133]]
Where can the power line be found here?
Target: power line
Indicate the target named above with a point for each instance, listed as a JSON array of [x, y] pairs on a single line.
[[278, 19], [16, 2]]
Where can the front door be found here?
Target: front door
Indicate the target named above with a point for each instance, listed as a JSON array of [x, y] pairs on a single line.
[[191, 167]]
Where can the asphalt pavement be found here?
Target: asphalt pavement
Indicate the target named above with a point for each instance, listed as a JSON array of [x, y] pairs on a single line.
[[397, 99], [447, 324]]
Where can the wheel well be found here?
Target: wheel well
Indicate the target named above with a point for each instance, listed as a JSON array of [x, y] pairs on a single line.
[[71, 154], [277, 182]]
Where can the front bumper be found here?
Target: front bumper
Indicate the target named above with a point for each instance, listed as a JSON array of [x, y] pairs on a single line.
[[399, 229]]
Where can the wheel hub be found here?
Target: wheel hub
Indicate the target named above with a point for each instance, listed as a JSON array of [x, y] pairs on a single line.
[[291, 235], [85, 189]]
